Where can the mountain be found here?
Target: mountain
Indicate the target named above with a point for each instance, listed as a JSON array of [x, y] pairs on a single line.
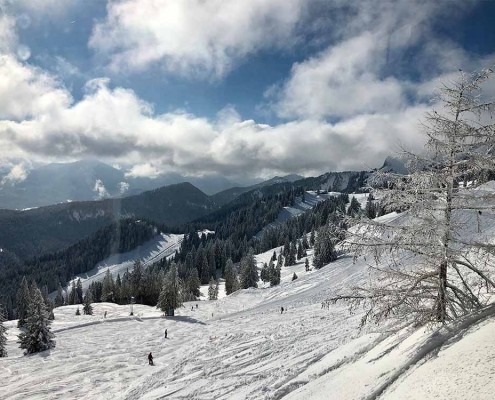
[[226, 196], [89, 180], [45, 229]]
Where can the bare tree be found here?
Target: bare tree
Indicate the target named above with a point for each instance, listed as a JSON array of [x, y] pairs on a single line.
[[432, 260]]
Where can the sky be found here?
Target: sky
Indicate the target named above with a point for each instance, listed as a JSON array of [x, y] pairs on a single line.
[[243, 89]]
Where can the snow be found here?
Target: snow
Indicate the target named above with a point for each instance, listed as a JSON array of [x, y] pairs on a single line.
[[161, 246], [242, 347]]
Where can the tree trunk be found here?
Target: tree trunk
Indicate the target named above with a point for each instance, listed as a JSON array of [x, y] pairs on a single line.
[[442, 295]]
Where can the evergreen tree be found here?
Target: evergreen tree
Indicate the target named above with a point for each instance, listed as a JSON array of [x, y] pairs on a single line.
[[108, 287], [37, 335], [88, 308], [306, 265], [275, 271], [59, 299], [294, 277], [249, 272], [217, 288], [312, 238], [324, 247], [77, 311], [370, 209], [274, 257], [212, 292], [300, 251], [193, 284], [3, 334], [265, 272], [170, 297], [354, 208], [73, 294], [231, 279], [79, 291], [23, 301]]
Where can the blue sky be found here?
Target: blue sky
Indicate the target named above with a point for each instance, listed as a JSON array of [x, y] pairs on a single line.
[[243, 89]]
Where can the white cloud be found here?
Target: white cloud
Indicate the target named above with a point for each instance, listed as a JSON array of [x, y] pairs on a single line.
[[26, 91], [143, 170], [123, 187], [18, 173], [100, 190], [193, 37], [340, 82]]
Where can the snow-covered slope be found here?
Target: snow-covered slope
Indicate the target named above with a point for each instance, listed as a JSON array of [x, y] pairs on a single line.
[[161, 246], [243, 347]]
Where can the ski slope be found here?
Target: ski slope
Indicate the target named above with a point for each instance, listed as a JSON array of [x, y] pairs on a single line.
[[242, 347], [161, 246]]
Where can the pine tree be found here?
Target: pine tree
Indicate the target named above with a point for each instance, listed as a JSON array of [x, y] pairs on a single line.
[[36, 336], [275, 272], [354, 208], [78, 312], [249, 272], [79, 291], [306, 265], [88, 308], [73, 294], [324, 247], [59, 299], [217, 288], [211, 290], [300, 250], [231, 279], [3, 334], [108, 287], [294, 277], [23, 301], [193, 284], [274, 257], [170, 296], [265, 272], [312, 238], [370, 209], [430, 270]]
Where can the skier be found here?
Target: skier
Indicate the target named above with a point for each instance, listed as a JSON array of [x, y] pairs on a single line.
[[105, 315], [196, 306], [281, 310], [165, 333], [150, 359]]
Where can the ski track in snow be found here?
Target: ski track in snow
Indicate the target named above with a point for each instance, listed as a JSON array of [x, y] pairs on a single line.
[[242, 347]]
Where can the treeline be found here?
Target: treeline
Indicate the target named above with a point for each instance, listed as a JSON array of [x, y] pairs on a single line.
[[58, 268]]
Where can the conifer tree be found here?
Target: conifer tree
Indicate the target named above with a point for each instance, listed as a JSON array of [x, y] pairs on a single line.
[[79, 291], [312, 237], [211, 290], [88, 308], [36, 336], [231, 279], [324, 247], [370, 209], [265, 272], [275, 272], [108, 287], [249, 272], [306, 265], [354, 207], [73, 294], [170, 296], [294, 277], [23, 301], [59, 299], [3, 334], [77, 311], [193, 284]]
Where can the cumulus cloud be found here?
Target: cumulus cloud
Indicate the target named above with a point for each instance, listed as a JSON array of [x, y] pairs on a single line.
[[193, 37]]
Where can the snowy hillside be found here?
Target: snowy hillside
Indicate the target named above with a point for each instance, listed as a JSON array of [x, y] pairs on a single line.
[[161, 246], [242, 347]]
